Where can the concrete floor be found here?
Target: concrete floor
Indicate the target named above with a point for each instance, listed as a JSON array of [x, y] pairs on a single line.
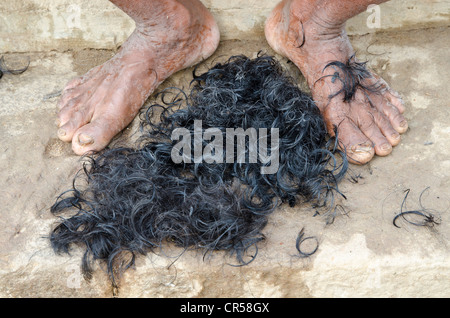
[[360, 255]]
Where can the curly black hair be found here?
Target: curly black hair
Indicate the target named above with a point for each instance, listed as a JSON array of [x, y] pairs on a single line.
[[134, 200]]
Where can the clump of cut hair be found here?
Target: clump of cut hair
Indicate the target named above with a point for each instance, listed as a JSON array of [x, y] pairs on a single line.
[[419, 217], [351, 75], [257, 93], [135, 200]]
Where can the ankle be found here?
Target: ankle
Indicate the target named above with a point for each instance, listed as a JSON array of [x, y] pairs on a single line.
[[314, 21], [330, 14], [177, 19]]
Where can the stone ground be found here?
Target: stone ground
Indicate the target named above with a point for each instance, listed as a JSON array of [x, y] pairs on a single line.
[[361, 254]]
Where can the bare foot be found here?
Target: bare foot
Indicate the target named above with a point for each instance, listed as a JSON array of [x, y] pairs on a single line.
[[169, 36], [368, 123]]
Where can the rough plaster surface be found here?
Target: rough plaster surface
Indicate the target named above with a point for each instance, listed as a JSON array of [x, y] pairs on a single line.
[[44, 25], [360, 255]]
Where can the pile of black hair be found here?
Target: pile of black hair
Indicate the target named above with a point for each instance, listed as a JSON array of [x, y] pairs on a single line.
[[137, 200], [5, 70], [132, 201]]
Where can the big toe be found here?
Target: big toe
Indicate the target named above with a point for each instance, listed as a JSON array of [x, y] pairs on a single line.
[[360, 152], [354, 143], [94, 136]]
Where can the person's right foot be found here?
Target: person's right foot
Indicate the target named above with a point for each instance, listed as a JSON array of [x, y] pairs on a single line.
[[370, 122], [169, 36]]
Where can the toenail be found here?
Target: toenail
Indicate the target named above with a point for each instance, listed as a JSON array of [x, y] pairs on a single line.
[[404, 124], [85, 140], [386, 147], [395, 136], [57, 123], [61, 132], [365, 147]]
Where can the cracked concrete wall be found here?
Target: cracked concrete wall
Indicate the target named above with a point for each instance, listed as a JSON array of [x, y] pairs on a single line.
[[46, 25]]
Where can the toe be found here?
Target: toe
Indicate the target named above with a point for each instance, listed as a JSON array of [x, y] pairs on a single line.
[[397, 120], [389, 132], [66, 113], [80, 87], [356, 145], [68, 129], [395, 99], [94, 136], [385, 113], [381, 144], [386, 128], [368, 123], [378, 113], [72, 91], [66, 97], [390, 95]]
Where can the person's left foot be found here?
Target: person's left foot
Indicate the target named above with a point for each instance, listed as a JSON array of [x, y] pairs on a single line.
[[368, 122]]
